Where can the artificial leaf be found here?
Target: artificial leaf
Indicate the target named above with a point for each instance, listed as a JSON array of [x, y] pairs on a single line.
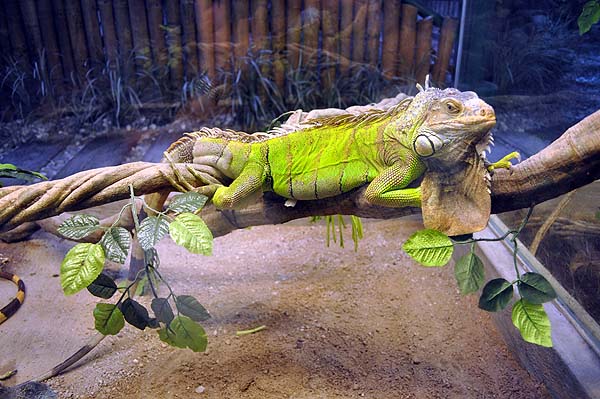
[[589, 16], [183, 332], [151, 231], [187, 202], [496, 295], [162, 310], [190, 231], [80, 267], [108, 319], [189, 306], [429, 247], [534, 288], [116, 242], [103, 286], [79, 226], [469, 273], [11, 171], [135, 314], [533, 323]]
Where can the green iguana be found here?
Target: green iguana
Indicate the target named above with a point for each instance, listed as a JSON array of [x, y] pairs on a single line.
[[439, 136]]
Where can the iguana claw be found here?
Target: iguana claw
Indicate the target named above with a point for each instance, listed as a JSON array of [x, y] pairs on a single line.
[[504, 163]]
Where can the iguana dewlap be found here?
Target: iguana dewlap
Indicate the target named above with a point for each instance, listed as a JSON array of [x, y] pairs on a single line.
[[435, 135]]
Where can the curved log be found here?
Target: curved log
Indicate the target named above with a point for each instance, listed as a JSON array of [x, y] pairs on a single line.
[[572, 161]]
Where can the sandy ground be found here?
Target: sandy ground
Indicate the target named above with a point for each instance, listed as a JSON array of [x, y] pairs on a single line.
[[340, 324]]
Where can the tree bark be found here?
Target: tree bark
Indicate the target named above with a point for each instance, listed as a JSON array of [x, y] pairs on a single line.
[[572, 161]]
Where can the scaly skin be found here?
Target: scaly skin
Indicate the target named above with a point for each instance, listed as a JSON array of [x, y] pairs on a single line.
[[387, 150]]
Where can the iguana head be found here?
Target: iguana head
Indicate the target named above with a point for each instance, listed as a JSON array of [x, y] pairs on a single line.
[[450, 124]]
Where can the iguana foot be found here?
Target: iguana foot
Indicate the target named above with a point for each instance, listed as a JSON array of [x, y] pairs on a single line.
[[504, 163]]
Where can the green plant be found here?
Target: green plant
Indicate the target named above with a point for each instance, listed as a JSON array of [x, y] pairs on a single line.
[[433, 248], [330, 221], [10, 171], [83, 265], [590, 15]]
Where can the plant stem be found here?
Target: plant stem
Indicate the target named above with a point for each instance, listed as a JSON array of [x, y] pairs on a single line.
[[251, 331]]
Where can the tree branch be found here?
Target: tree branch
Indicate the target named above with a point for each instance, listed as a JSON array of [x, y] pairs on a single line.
[[572, 161]]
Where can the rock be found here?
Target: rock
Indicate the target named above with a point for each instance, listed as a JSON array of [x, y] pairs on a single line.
[[200, 389]]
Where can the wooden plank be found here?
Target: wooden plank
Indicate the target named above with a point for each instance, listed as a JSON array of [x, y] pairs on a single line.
[[16, 31], [358, 30], [206, 39], [158, 42], [446, 44], [221, 14], [294, 31], [126, 62], [140, 35], [46, 19], [330, 16], [310, 30], [64, 43], [92, 33], [77, 36], [391, 34], [190, 47], [408, 37], [423, 51], [241, 30], [278, 24], [174, 44], [373, 31], [345, 35]]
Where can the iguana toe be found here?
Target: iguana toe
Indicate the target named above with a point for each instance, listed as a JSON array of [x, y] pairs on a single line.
[[505, 162]]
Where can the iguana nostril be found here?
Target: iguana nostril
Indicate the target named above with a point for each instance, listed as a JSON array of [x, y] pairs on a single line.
[[482, 112]]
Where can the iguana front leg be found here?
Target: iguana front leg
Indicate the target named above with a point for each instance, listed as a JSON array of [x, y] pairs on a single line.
[[389, 188], [242, 189]]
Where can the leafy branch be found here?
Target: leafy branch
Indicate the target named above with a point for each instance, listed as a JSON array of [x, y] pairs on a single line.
[[433, 248]]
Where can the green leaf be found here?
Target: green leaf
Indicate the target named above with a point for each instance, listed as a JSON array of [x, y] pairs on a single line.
[[80, 267], [103, 287], [534, 288], [189, 306], [429, 247], [533, 323], [469, 273], [135, 314], [79, 226], [11, 171], [183, 332], [116, 242], [151, 231], [589, 16], [496, 295], [187, 202], [108, 319], [162, 310], [190, 231]]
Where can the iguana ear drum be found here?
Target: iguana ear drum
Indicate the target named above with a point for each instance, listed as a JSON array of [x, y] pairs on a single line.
[[426, 145]]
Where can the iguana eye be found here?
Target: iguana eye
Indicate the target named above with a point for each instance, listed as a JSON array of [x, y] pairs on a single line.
[[452, 107]]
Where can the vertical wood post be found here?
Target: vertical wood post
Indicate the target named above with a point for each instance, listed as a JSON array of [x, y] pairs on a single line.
[[44, 10], [77, 36], [294, 30], [139, 34], [92, 32], [408, 36], [373, 29], [64, 43], [310, 30], [157, 34], [111, 44], [391, 34], [330, 16], [423, 51], [205, 29], [241, 31], [190, 47], [447, 36], [126, 63], [174, 44], [345, 35], [358, 30], [221, 13], [278, 38]]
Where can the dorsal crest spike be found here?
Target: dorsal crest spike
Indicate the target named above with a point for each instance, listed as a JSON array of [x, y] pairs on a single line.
[[419, 87]]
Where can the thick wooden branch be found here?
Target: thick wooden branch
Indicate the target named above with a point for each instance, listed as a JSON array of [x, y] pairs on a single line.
[[570, 162]]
